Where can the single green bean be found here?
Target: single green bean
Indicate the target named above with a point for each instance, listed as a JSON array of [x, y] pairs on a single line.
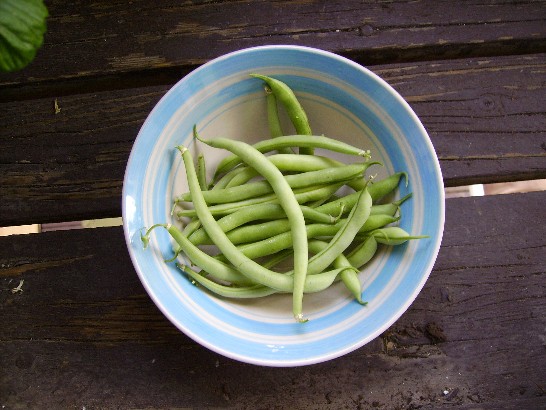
[[242, 177], [281, 241], [380, 189], [391, 208], [259, 231], [229, 176], [275, 127], [363, 253], [237, 292], [293, 108], [216, 267], [273, 144], [202, 172], [393, 235], [287, 163], [191, 227], [313, 284], [302, 163]]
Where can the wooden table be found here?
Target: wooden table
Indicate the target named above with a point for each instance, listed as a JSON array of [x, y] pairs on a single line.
[[82, 333]]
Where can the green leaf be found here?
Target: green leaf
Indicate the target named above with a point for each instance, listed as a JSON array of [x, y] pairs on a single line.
[[22, 28]]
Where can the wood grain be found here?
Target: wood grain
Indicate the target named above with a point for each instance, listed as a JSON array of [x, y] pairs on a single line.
[[92, 39], [83, 333], [486, 118]]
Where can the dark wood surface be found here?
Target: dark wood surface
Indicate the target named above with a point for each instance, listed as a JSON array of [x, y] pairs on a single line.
[[485, 116], [84, 333]]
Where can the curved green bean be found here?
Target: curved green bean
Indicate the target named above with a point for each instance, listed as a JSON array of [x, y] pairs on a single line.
[[226, 179], [393, 235], [349, 274], [275, 127], [293, 108], [313, 284], [202, 172], [363, 253], [213, 265], [314, 141]]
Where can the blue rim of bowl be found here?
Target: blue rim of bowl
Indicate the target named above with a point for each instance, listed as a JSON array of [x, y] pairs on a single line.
[[393, 316]]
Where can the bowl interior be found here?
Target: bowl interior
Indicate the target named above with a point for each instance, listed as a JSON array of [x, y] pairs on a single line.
[[343, 101]]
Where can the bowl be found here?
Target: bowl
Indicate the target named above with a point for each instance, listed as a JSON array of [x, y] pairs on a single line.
[[343, 100]]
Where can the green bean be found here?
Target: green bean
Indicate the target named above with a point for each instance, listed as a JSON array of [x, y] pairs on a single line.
[[301, 180], [257, 232], [349, 274], [275, 128], [202, 172], [377, 221], [363, 253], [341, 205], [243, 292], [229, 176], [283, 240], [313, 141], [277, 258], [302, 163], [313, 284], [287, 200], [293, 108], [303, 195], [191, 227], [242, 177], [216, 267], [380, 189], [391, 208], [393, 235], [311, 214]]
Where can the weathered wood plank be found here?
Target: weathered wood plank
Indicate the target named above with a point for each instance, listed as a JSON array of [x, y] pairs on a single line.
[[88, 39], [486, 118], [84, 334]]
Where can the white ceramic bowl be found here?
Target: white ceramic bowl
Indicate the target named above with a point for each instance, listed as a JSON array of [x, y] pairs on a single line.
[[344, 101]]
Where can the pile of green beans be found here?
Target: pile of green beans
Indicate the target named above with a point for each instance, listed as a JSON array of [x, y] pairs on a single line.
[[271, 205]]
